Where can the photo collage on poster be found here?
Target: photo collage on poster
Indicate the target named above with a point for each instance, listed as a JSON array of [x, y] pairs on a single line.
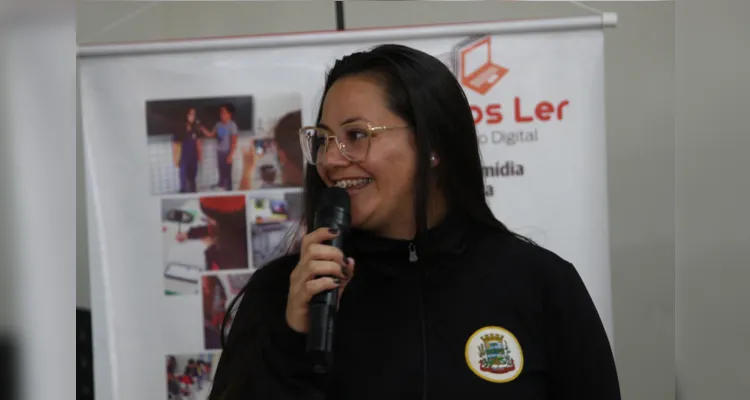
[[228, 173]]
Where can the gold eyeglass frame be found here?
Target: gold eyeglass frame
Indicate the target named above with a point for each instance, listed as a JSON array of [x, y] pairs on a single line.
[[371, 131]]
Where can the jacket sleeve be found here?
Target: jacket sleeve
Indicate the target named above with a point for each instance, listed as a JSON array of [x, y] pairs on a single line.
[[582, 363], [263, 357]]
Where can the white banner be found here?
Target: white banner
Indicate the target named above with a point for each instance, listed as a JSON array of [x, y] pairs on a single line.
[[177, 225]]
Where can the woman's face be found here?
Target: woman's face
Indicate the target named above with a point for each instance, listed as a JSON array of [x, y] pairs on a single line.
[[191, 115], [385, 204]]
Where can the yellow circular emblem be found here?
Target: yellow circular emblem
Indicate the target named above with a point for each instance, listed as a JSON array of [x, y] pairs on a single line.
[[494, 354]]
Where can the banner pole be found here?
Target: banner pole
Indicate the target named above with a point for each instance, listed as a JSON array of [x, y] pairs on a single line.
[[606, 20]]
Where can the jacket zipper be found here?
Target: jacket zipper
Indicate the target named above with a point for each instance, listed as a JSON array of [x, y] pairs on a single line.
[[413, 258], [413, 253]]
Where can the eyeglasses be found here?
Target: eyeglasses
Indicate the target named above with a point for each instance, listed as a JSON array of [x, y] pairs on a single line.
[[353, 142]]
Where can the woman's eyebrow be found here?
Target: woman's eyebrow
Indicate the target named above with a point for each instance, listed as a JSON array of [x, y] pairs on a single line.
[[344, 122]]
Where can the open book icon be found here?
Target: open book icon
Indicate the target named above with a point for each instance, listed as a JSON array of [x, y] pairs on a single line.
[[475, 68]]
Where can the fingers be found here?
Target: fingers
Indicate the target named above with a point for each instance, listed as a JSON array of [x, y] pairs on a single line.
[[349, 268], [316, 269], [318, 236], [323, 252], [314, 254], [349, 272], [322, 271], [305, 283], [321, 267], [316, 286], [312, 249], [325, 268]]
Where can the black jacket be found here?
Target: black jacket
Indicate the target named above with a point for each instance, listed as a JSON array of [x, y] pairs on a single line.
[[480, 313]]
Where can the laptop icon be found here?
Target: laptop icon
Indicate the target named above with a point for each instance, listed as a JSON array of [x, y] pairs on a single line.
[[475, 68]]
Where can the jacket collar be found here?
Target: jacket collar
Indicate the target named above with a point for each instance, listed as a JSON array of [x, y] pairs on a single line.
[[449, 237]]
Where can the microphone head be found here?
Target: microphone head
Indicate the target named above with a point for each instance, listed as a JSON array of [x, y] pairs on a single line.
[[334, 197], [333, 209]]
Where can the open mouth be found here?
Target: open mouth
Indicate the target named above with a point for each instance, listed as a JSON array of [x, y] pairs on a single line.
[[352, 183]]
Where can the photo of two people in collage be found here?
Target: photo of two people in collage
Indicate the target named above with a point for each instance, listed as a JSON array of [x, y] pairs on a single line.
[[224, 144]]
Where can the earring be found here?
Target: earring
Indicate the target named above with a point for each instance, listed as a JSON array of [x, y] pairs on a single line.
[[432, 157]]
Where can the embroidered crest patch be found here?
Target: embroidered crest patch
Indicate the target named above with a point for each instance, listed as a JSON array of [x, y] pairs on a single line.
[[494, 354]]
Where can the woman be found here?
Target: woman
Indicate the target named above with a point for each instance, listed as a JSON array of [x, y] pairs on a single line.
[[187, 152], [445, 301]]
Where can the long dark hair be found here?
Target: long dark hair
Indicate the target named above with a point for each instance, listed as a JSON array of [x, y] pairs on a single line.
[[423, 92]]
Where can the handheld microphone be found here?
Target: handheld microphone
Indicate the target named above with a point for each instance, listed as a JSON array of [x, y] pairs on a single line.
[[333, 212]]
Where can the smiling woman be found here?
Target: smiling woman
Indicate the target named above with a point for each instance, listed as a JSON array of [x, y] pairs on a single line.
[[391, 163], [444, 295]]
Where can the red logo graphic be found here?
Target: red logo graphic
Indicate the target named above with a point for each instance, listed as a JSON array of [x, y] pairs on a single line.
[[475, 68]]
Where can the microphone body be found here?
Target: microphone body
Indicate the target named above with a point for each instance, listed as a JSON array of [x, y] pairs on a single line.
[[333, 212]]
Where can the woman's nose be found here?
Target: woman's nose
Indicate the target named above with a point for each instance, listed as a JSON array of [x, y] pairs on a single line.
[[334, 156]]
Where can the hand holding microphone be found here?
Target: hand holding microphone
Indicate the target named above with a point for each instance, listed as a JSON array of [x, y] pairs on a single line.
[[318, 280], [313, 274]]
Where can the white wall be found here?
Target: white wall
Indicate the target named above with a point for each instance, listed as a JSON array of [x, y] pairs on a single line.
[[37, 207], [640, 64], [713, 200]]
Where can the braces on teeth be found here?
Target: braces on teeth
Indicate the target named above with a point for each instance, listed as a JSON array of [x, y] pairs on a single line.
[[352, 182]]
